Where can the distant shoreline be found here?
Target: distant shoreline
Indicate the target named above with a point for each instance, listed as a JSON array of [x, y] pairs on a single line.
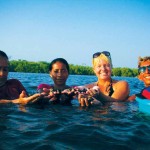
[[42, 67]]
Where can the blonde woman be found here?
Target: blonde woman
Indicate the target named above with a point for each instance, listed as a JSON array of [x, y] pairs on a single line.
[[105, 89]]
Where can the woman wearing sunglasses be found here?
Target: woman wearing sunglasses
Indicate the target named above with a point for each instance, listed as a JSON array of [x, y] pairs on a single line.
[[107, 89], [144, 75]]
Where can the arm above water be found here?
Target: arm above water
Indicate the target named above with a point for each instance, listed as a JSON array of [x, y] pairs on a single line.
[[131, 98], [23, 99], [121, 93]]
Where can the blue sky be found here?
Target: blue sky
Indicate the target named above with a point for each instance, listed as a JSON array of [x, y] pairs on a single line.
[[41, 30]]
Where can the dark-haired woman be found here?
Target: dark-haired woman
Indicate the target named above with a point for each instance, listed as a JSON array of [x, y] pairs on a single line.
[[58, 92], [11, 90]]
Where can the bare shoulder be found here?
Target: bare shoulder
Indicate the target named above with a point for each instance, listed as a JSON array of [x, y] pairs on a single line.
[[121, 90], [121, 83]]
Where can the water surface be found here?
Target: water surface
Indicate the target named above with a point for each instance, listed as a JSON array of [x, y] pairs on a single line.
[[116, 126]]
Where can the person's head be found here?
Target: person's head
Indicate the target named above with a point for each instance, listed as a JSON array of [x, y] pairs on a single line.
[[102, 65], [4, 64], [144, 70], [59, 71]]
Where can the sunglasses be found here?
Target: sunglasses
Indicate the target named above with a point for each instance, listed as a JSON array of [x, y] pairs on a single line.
[[143, 69], [106, 53]]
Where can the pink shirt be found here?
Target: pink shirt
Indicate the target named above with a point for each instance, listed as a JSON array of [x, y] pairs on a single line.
[[11, 90]]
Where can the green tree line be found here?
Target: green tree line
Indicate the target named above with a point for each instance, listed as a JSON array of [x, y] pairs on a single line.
[[42, 67]]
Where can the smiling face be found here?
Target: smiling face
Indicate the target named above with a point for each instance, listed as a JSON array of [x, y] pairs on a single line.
[[145, 74], [59, 74], [102, 69]]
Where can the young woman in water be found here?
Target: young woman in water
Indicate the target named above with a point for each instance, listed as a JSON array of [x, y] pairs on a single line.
[[58, 92], [105, 89], [11, 90]]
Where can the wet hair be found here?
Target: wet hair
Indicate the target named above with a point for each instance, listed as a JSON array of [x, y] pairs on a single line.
[[3, 54], [61, 60], [141, 59], [104, 57]]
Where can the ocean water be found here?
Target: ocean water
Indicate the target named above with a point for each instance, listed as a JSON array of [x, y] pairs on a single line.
[[116, 126]]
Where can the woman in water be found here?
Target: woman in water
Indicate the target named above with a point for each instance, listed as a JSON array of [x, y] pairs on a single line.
[[105, 89], [58, 92], [11, 90]]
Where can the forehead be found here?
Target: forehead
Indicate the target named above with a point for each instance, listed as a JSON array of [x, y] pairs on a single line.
[[145, 63], [59, 65], [3, 61], [101, 61]]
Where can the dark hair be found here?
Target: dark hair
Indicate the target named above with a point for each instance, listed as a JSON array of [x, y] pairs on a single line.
[[62, 60], [141, 59], [3, 54]]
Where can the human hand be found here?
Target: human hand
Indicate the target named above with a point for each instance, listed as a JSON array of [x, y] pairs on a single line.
[[83, 100], [23, 99], [47, 93], [93, 92], [44, 91], [69, 92], [131, 98], [89, 97], [80, 89]]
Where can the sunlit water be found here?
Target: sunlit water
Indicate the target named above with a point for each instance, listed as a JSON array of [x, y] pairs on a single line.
[[117, 126]]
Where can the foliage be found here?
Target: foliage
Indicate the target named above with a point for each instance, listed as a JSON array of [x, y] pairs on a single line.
[[42, 67], [125, 72], [25, 66]]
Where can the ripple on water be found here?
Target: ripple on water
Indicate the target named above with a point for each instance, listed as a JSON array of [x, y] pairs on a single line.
[[116, 126]]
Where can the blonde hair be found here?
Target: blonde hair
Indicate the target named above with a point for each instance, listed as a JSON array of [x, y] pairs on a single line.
[[140, 60], [104, 57]]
